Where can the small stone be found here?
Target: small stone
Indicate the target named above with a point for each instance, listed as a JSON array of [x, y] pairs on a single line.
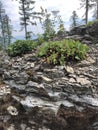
[[6, 76], [72, 80], [32, 65], [11, 127], [83, 81], [66, 103], [19, 59], [32, 84], [28, 128], [23, 126], [4, 90], [46, 79], [69, 69], [12, 110], [90, 60]]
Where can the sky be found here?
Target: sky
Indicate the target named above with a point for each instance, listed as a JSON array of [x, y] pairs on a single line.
[[66, 7]]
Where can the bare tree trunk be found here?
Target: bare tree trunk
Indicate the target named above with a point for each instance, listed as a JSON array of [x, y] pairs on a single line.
[[97, 9], [86, 13]]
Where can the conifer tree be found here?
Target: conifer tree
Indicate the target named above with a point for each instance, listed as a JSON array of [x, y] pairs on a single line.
[[74, 19], [8, 29], [59, 23], [96, 9], [5, 28], [95, 5], [48, 26], [2, 13], [61, 29], [87, 4], [27, 15]]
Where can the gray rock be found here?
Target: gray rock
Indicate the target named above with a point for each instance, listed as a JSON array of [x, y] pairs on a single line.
[[23, 126], [95, 126], [55, 73], [31, 102], [18, 87], [83, 81], [69, 69], [78, 30], [44, 78], [72, 80], [33, 87], [86, 42], [66, 103], [12, 110], [11, 127], [88, 37], [21, 78], [75, 37], [7, 76], [90, 100], [4, 90]]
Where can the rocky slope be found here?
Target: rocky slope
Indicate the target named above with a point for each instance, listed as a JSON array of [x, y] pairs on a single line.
[[87, 34], [36, 96]]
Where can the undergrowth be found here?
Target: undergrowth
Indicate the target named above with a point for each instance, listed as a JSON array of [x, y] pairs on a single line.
[[59, 52], [56, 53], [21, 47]]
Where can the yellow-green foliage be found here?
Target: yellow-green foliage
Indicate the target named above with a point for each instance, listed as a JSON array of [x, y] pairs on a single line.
[[91, 22], [59, 52]]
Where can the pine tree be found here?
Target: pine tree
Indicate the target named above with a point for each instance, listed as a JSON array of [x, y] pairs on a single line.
[[59, 23], [48, 26], [27, 14], [8, 29], [87, 4], [2, 13], [61, 29], [5, 28], [95, 5], [74, 19], [96, 9]]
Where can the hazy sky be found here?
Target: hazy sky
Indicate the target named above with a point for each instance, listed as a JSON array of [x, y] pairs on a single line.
[[65, 7]]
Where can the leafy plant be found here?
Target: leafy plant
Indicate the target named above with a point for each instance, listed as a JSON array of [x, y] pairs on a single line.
[[59, 52], [90, 23], [40, 39], [20, 47], [1, 48]]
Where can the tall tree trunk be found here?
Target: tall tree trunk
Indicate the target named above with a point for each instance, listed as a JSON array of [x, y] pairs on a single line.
[[86, 13], [97, 9], [3, 33], [8, 31], [25, 30], [25, 24]]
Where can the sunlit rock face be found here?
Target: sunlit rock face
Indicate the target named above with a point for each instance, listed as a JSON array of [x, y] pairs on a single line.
[[37, 96]]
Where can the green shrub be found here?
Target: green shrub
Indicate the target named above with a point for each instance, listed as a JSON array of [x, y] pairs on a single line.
[[90, 23], [47, 36], [40, 39], [1, 48], [20, 47], [59, 52]]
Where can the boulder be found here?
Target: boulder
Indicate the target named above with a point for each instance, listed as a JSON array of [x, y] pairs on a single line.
[[78, 30], [85, 33]]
